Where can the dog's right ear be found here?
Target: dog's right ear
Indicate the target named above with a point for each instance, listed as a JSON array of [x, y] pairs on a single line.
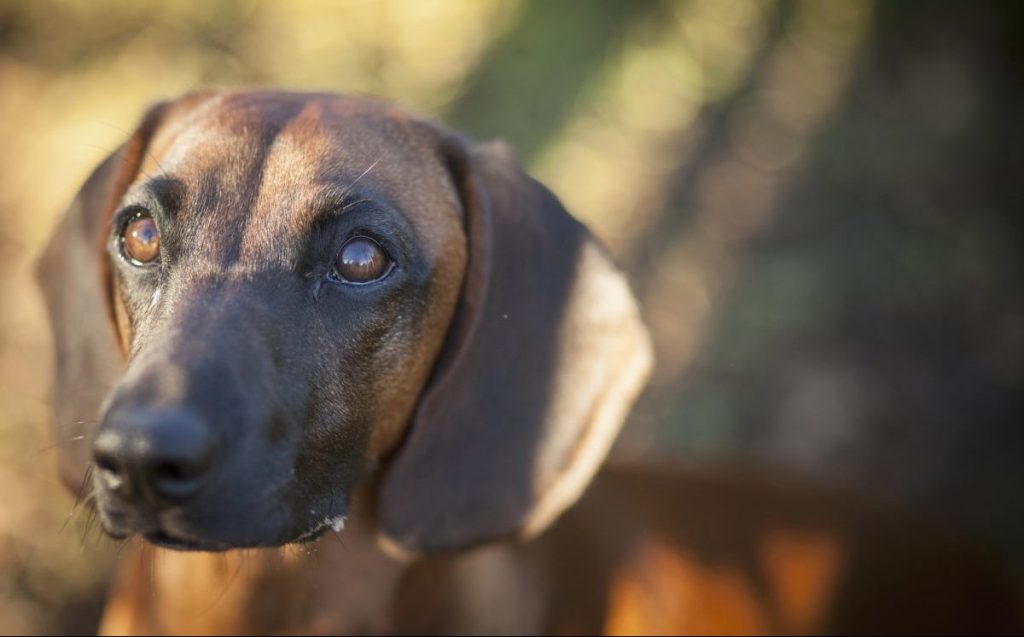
[[545, 356], [77, 284]]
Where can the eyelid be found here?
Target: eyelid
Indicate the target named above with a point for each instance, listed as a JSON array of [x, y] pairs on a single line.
[[128, 214], [354, 213], [360, 232]]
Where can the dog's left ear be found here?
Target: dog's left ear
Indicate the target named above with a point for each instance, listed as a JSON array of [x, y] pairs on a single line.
[[543, 360]]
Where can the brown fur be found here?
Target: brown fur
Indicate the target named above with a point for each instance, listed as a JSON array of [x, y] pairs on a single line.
[[489, 417]]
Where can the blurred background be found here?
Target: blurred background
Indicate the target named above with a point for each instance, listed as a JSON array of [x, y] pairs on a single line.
[[820, 205]]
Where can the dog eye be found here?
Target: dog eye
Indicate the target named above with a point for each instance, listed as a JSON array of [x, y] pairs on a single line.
[[140, 240], [361, 260]]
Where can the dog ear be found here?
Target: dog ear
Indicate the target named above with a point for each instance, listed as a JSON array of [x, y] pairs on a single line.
[[77, 285], [543, 360]]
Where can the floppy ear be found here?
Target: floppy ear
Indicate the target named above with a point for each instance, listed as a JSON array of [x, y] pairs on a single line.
[[543, 360], [75, 277]]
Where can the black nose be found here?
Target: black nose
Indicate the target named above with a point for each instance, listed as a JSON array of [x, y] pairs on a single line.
[[156, 455]]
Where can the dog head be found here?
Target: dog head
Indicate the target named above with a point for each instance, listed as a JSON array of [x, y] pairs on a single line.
[[264, 299]]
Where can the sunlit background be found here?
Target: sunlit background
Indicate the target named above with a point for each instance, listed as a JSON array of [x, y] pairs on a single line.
[[819, 203]]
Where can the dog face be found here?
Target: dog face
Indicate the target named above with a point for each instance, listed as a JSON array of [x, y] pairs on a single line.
[[293, 294], [280, 310]]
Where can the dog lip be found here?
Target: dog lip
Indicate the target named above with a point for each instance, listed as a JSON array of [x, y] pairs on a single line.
[[120, 525], [117, 534], [166, 540], [334, 523]]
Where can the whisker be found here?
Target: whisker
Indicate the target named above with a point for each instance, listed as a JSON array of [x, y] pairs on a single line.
[[120, 153], [89, 525], [350, 204], [361, 175], [50, 447], [341, 541], [146, 149], [86, 479]]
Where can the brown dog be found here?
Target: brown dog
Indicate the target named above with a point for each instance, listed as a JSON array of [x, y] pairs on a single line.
[[331, 309], [293, 313]]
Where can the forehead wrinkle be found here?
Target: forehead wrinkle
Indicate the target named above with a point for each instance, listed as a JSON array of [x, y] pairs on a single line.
[[223, 158], [215, 168], [290, 165]]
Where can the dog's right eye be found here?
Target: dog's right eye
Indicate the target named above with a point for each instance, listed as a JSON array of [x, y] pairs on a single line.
[[140, 240], [362, 260]]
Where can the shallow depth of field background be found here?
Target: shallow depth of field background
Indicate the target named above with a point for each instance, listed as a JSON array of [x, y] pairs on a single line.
[[819, 203]]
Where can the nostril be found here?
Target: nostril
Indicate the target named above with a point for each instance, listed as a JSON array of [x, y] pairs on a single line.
[[105, 463], [158, 454], [170, 471], [177, 474], [175, 482], [173, 476]]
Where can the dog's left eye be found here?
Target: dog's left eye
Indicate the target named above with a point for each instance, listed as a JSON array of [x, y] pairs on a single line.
[[361, 260], [140, 240]]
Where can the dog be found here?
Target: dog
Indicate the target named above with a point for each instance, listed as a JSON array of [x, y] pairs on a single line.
[[345, 371]]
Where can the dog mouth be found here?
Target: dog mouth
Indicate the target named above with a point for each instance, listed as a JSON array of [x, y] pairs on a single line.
[[122, 525], [169, 529], [218, 524], [166, 540], [182, 542]]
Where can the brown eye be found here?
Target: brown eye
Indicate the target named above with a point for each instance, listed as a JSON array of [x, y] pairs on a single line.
[[362, 260], [140, 240]]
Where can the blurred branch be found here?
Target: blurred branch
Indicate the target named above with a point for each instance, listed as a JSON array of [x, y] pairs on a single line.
[[530, 80]]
